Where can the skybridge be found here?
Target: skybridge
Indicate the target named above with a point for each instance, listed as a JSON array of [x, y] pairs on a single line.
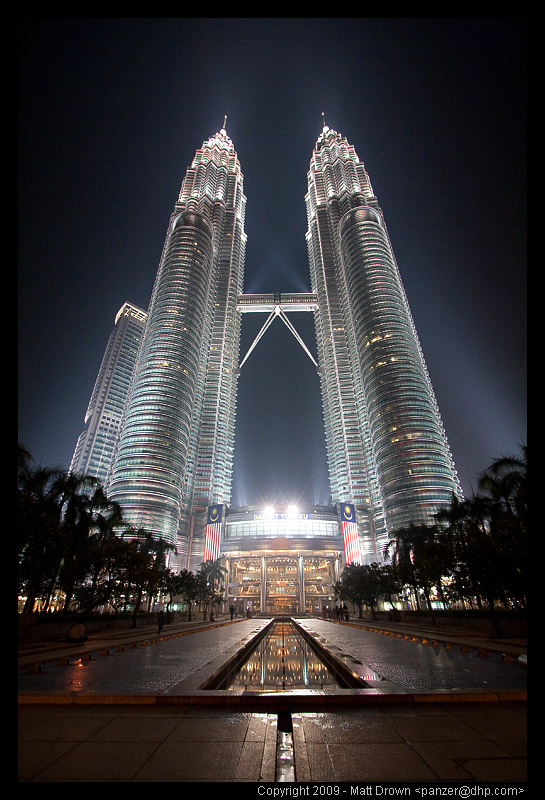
[[277, 304]]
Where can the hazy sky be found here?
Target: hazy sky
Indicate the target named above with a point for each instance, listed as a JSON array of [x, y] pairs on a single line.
[[111, 113]]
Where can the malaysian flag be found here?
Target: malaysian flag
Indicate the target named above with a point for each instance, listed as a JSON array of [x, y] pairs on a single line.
[[349, 528], [213, 532]]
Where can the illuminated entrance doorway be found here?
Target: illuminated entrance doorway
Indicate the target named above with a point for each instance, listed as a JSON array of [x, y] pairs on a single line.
[[282, 584]]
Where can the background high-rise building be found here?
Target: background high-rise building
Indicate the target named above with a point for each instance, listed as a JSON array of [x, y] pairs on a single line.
[[96, 443]]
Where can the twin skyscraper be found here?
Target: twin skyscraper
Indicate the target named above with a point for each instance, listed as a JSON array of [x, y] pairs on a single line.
[[388, 455]]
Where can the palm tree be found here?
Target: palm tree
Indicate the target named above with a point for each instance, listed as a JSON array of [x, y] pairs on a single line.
[[43, 496], [148, 565], [87, 516], [505, 481], [487, 535], [402, 546], [37, 531], [503, 487], [55, 518], [106, 562], [210, 576], [103, 554], [171, 584], [422, 558], [159, 571]]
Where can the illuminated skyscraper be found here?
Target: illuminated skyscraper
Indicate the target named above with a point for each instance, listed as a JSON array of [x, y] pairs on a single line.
[[386, 446], [175, 450], [388, 456], [96, 444]]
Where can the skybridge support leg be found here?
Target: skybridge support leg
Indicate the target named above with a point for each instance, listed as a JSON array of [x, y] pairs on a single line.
[[277, 312]]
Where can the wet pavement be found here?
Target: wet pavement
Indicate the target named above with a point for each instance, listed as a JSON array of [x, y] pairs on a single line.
[[411, 665], [138, 743], [129, 707], [464, 743], [150, 666], [178, 662]]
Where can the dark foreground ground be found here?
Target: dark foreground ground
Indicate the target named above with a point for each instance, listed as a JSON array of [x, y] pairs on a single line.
[[448, 709]]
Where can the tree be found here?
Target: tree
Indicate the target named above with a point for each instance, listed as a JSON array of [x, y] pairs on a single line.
[[422, 557], [210, 579], [505, 481], [170, 585], [361, 585], [107, 557], [401, 546], [188, 588], [88, 515], [106, 560], [147, 565], [487, 535], [51, 517], [58, 513], [504, 488], [158, 572], [391, 583], [477, 566], [37, 530]]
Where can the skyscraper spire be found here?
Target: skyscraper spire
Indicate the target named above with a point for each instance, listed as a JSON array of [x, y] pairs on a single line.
[[224, 122]]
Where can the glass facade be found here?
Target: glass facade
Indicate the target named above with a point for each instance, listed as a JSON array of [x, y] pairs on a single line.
[[386, 446], [176, 444], [96, 444]]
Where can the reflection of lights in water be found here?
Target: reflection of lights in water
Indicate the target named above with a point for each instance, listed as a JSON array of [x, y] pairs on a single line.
[[283, 660]]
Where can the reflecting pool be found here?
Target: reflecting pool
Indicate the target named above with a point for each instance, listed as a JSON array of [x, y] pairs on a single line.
[[282, 660]]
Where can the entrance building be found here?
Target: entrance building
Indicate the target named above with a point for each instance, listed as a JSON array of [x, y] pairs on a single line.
[[282, 560]]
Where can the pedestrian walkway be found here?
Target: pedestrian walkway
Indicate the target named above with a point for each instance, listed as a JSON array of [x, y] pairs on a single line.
[[509, 649], [73, 735], [139, 743], [32, 655], [437, 742]]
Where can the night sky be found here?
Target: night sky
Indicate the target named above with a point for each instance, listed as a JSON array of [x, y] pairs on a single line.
[[111, 112]]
